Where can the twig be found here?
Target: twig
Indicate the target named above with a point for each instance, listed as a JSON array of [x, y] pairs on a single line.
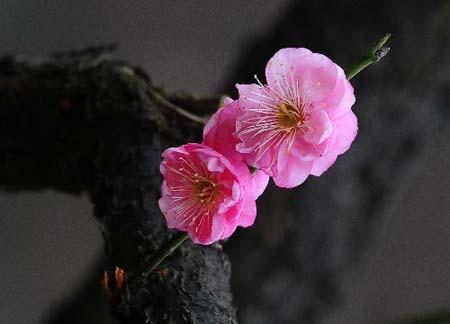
[[159, 97], [174, 244], [375, 55]]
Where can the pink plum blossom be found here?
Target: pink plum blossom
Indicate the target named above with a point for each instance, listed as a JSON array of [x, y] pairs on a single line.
[[220, 134], [204, 194], [299, 122]]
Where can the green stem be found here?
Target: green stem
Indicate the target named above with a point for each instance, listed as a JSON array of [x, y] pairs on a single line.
[[173, 245], [375, 55]]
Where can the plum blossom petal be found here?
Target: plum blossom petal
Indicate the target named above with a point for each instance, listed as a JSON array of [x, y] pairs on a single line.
[[219, 131], [337, 110], [259, 183], [321, 165], [282, 63], [220, 134], [291, 171], [346, 127], [317, 76], [248, 213], [319, 127]]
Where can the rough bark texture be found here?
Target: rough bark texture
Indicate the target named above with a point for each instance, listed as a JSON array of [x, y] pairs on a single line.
[[288, 268], [81, 122]]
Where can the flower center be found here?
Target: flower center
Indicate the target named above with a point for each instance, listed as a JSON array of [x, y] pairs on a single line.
[[205, 189], [288, 116]]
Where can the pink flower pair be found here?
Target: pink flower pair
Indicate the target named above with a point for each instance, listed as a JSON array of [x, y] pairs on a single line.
[[294, 126]]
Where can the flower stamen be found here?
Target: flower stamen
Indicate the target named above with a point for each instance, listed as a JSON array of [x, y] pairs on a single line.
[[289, 117]]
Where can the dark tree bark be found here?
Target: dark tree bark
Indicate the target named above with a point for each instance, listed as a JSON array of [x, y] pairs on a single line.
[[81, 122], [287, 269]]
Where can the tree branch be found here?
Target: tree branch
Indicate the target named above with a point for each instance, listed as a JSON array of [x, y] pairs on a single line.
[[82, 122]]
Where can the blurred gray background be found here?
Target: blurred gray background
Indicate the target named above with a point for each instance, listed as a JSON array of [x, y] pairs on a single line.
[[49, 240]]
